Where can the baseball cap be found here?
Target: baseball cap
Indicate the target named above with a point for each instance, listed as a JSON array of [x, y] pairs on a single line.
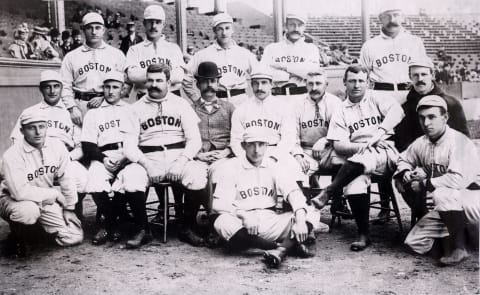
[[114, 75], [255, 134], [92, 17], [297, 16], [424, 61], [49, 75], [432, 101], [154, 12], [221, 18], [261, 72], [32, 115], [207, 70], [40, 30]]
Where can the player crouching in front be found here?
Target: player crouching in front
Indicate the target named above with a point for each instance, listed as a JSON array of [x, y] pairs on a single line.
[[245, 199], [30, 167]]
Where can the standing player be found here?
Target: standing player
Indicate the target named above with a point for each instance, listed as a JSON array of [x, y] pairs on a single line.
[[28, 196], [435, 165], [246, 202], [161, 142], [291, 60], [359, 131], [83, 69], [102, 143], [154, 50], [234, 63]]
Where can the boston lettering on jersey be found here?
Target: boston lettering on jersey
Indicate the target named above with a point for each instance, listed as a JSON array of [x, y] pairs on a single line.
[[290, 58], [93, 66], [263, 123], [110, 124], [314, 123], [154, 60], [41, 171], [231, 69], [438, 170], [393, 57], [161, 120], [364, 122], [58, 125], [257, 191]]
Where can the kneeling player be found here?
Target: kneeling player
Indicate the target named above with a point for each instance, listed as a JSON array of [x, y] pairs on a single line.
[[245, 199]]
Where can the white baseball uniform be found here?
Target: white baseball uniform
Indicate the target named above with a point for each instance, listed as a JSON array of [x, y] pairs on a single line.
[[450, 172], [143, 54], [28, 185], [357, 122], [84, 69], [235, 63], [254, 189], [387, 59], [161, 124], [101, 126], [60, 126], [312, 122]]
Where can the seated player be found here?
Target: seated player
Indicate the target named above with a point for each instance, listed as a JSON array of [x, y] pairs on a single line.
[[161, 141], [102, 144], [28, 196], [245, 198], [440, 165], [359, 131]]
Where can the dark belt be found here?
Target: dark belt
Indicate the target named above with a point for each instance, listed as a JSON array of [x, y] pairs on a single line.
[[304, 145], [291, 90], [160, 148], [390, 86], [233, 92], [111, 146], [87, 96]]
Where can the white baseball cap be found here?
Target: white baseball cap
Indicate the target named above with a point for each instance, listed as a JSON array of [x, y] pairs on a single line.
[[114, 75], [261, 72], [255, 134], [92, 17], [154, 12], [432, 101], [423, 61], [49, 75], [296, 16], [32, 115], [221, 18]]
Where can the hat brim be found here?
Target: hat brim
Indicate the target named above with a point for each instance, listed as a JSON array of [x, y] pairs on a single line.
[[207, 77]]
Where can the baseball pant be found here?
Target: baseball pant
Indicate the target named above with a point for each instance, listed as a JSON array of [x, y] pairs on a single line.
[[134, 178], [431, 226], [50, 218], [272, 226], [328, 159], [99, 177], [80, 176]]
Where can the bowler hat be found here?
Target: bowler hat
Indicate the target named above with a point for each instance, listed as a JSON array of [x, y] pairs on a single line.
[[207, 70]]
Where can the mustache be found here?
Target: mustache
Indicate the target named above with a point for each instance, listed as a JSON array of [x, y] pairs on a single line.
[[315, 92], [391, 24], [155, 89], [420, 83], [209, 89]]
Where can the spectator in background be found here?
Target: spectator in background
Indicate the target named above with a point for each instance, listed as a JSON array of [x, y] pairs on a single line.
[[55, 42], [259, 53], [345, 57], [443, 75], [116, 21], [324, 58], [20, 48], [131, 38], [77, 39], [42, 49]]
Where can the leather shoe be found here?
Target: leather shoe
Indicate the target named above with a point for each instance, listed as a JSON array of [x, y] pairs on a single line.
[[100, 237], [273, 258], [141, 238], [320, 200], [189, 236]]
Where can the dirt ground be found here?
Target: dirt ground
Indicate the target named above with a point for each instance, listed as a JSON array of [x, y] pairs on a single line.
[[385, 268]]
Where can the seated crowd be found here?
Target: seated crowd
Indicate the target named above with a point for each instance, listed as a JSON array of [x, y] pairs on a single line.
[[233, 139]]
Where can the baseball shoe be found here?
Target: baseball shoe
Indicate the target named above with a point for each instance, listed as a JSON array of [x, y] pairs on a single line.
[[302, 251], [187, 235], [361, 244], [141, 238], [100, 238], [13, 247], [457, 256], [273, 258], [320, 200]]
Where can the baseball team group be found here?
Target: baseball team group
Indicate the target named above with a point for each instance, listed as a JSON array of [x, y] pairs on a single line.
[[233, 134]]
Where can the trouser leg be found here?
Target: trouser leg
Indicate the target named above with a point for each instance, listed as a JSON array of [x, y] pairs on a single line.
[[241, 241], [360, 205], [137, 202], [346, 174]]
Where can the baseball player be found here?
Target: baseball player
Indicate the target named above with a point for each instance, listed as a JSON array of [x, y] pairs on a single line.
[[291, 59], [59, 125], [102, 142], [30, 168], [84, 68], [246, 202], [234, 63], [161, 142], [421, 75], [154, 50], [359, 131], [435, 166]]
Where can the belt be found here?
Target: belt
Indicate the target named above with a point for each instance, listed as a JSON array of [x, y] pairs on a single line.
[[230, 93], [304, 144], [111, 146], [390, 86], [87, 96], [160, 148], [289, 90]]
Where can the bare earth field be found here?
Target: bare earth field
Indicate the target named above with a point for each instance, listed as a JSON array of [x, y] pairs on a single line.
[[385, 268]]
